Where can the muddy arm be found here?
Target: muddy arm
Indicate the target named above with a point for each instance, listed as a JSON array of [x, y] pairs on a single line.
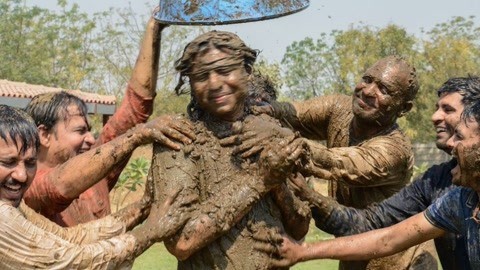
[[73, 177], [296, 214], [370, 245], [214, 218], [383, 160], [137, 104]]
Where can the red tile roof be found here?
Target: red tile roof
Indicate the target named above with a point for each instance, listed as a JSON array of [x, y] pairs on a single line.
[[24, 90]]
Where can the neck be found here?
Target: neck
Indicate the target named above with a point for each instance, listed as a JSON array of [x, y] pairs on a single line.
[[45, 160]]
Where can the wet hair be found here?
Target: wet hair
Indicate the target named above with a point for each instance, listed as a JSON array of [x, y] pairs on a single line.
[[224, 41], [18, 126], [221, 40], [49, 108], [468, 87]]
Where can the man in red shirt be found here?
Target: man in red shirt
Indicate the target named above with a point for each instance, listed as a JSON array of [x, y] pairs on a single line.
[[69, 187]]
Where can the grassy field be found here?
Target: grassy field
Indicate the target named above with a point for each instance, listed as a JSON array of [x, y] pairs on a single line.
[[157, 257]]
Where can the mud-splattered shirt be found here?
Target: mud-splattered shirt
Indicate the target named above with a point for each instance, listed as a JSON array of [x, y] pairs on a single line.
[[363, 171], [222, 183], [453, 213], [94, 203], [30, 241]]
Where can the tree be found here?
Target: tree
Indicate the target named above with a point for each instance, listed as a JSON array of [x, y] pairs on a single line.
[[42, 47]]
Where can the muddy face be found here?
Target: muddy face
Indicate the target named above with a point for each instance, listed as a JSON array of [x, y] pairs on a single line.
[[466, 147], [219, 83], [446, 118], [380, 96], [17, 170]]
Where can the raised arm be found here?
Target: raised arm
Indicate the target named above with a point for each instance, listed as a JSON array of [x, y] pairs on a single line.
[[137, 104]]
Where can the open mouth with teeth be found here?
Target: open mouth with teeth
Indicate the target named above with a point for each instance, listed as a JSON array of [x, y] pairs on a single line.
[[12, 191]]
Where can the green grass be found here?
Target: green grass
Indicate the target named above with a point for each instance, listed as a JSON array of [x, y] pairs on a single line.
[[157, 257]]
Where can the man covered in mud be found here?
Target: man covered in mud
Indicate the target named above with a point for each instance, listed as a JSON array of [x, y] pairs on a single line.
[[456, 212], [366, 158], [69, 188], [238, 197], [30, 241], [330, 216]]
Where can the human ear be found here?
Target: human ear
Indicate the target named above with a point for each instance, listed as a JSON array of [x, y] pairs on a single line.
[[406, 108], [44, 135]]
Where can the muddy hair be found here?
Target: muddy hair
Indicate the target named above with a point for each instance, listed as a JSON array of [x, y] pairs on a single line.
[[18, 126], [468, 87], [413, 84], [49, 108], [224, 41]]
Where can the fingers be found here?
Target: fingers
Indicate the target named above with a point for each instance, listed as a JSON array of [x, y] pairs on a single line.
[[231, 140], [162, 139], [267, 109], [252, 151], [279, 263], [172, 197]]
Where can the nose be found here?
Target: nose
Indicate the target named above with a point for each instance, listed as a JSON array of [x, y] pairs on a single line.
[[214, 81], [89, 139], [20, 173], [451, 142], [369, 89], [437, 116]]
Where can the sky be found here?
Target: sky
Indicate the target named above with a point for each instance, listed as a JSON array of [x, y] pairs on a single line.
[[273, 36]]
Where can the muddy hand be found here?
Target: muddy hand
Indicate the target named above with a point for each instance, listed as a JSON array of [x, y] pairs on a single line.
[[169, 131], [255, 132], [264, 109], [168, 217], [300, 187], [279, 160], [282, 250], [149, 193]]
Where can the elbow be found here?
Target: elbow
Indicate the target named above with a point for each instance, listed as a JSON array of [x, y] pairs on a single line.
[[180, 250], [193, 238]]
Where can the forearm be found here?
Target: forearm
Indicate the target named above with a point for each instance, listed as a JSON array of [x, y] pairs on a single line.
[[214, 218], [295, 213], [25, 245], [360, 166], [84, 233], [144, 76], [133, 214], [83, 171], [376, 243]]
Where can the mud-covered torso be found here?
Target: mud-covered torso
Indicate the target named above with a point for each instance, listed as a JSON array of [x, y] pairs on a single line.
[[212, 169], [329, 118]]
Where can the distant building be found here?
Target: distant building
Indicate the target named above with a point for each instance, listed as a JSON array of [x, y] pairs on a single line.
[[17, 94]]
